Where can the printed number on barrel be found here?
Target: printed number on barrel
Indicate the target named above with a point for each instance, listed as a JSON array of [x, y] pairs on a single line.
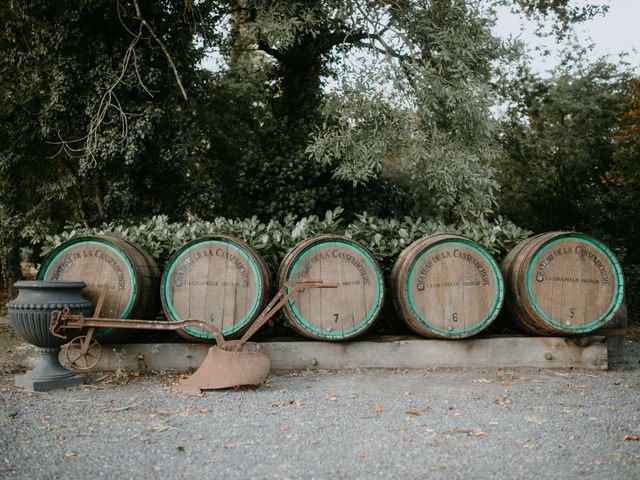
[[335, 318], [455, 317]]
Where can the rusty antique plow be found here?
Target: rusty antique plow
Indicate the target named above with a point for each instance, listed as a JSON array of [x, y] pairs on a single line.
[[228, 363]]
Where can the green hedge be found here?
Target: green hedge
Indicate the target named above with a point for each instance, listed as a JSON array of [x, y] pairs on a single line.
[[385, 237]]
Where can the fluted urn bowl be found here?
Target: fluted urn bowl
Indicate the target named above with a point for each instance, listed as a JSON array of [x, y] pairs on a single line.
[[30, 315]]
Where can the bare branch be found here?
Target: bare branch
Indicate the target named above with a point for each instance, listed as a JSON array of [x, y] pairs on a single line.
[[140, 81], [109, 100], [162, 46]]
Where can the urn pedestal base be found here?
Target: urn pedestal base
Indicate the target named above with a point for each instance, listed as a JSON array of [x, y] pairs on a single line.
[[30, 314], [48, 374]]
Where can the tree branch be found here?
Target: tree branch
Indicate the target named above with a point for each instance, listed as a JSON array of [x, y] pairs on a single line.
[[162, 46], [264, 46]]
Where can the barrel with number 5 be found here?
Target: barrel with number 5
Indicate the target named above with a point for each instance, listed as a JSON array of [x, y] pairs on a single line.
[[338, 313], [447, 286], [562, 283]]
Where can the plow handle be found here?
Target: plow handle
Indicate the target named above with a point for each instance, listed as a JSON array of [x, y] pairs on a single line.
[[277, 303]]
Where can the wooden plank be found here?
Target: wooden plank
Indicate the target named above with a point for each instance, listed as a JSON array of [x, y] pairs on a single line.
[[544, 352], [413, 353]]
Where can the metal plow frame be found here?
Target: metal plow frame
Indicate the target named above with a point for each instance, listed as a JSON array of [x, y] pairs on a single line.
[[227, 364]]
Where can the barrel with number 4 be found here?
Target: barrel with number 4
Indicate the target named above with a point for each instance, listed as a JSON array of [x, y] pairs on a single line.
[[447, 286], [218, 279], [562, 283], [336, 313]]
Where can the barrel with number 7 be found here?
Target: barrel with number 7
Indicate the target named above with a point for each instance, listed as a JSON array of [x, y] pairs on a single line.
[[447, 286], [333, 314]]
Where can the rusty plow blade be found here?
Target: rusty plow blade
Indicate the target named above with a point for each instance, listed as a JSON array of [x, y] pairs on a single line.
[[225, 369], [235, 363]]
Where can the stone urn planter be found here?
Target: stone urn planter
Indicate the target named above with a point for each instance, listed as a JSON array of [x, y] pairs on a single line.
[[30, 315]]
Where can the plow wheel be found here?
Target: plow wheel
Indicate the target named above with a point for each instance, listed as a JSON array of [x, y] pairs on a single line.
[[83, 352]]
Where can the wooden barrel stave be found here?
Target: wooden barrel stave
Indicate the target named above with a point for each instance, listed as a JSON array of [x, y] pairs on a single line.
[[513, 299]]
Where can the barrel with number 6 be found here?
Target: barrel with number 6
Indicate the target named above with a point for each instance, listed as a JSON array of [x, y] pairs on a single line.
[[447, 286], [335, 313], [562, 283], [218, 279]]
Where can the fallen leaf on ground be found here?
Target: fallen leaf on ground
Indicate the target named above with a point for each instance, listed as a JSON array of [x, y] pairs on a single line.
[[378, 408], [413, 412], [161, 413], [204, 410], [535, 420], [332, 398], [470, 432], [598, 462], [70, 454], [481, 380], [530, 446], [631, 438]]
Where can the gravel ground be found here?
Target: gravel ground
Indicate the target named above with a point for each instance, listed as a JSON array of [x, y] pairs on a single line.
[[444, 423]]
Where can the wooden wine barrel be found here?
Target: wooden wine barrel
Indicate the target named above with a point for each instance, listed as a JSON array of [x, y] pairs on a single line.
[[218, 279], [447, 286], [338, 313], [562, 283], [130, 274]]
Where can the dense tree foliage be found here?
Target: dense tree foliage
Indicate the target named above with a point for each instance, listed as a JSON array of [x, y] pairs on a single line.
[[621, 201], [92, 125], [559, 144], [570, 159], [112, 113]]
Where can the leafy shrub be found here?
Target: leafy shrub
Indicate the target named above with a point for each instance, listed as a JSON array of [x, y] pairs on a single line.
[[386, 238]]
